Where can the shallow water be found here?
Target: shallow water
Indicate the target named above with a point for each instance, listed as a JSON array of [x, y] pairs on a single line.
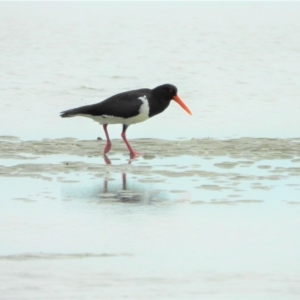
[[210, 211], [235, 65], [169, 225]]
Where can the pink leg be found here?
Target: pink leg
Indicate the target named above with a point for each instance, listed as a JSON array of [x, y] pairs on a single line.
[[108, 142], [133, 154], [106, 159]]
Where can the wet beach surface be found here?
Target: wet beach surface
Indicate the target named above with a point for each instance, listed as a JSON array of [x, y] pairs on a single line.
[[217, 218]]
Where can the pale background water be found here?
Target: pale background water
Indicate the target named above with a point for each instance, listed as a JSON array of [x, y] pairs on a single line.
[[236, 65]]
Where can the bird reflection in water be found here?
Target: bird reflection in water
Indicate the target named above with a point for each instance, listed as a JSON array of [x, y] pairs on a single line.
[[124, 195]]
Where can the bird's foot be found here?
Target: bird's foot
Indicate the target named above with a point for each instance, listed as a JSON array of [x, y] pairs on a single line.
[[106, 159], [134, 155]]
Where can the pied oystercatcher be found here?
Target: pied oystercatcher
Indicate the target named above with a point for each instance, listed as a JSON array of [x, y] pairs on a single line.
[[128, 108]]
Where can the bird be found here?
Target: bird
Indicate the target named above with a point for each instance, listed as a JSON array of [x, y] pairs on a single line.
[[128, 108]]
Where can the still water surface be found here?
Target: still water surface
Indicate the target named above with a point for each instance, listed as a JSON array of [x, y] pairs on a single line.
[[235, 65]]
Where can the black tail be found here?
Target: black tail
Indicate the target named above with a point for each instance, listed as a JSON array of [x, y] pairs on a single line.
[[64, 114], [75, 111]]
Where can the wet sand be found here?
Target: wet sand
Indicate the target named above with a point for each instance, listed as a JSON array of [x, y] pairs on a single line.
[[246, 148], [199, 164], [234, 168]]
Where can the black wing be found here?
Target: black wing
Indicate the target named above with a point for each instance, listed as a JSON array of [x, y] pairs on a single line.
[[124, 105]]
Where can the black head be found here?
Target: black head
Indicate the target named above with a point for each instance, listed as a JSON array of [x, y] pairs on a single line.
[[163, 95], [166, 91]]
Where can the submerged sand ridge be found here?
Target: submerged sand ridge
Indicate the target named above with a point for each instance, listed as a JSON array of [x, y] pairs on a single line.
[[246, 148], [199, 170]]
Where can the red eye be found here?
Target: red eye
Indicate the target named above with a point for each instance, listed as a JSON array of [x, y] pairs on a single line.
[[171, 90]]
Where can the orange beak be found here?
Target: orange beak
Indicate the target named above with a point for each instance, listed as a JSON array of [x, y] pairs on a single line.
[[182, 104]]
